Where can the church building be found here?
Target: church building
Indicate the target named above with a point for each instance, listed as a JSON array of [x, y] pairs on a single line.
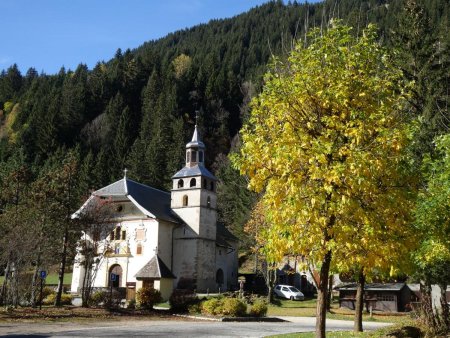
[[161, 239]]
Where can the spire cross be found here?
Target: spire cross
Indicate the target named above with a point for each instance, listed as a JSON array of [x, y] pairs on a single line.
[[196, 117], [125, 172]]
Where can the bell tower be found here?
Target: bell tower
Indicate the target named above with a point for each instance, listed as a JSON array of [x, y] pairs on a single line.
[[194, 191], [194, 201]]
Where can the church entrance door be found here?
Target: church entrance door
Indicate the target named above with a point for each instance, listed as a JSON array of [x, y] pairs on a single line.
[[115, 281]]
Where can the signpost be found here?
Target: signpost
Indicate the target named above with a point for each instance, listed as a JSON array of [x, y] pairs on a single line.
[[112, 279], [43, 275]]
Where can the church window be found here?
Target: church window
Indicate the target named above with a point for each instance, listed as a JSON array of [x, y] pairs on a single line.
[[205, 183], [139, 249], [180, 183], [193, 182], [140, 234], [188, 155], [117, 236], [208, 202], [124, 235], [212, 186], [111, 236], [185, 201], [193, 156], [200, 156]]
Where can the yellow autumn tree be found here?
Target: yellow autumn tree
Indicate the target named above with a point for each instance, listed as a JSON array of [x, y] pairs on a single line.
[[325, 144]]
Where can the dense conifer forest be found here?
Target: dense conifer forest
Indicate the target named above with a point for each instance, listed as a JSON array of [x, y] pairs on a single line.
[[64, 134]]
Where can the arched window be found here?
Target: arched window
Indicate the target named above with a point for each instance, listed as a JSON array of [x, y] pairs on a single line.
[[188, 155], [185, 201], [180, 183], [111, 236], [193, 156], [193, 182], [208, 202], [212, 186], [219, 277], [139, 249], [124, 235], [117, 236]]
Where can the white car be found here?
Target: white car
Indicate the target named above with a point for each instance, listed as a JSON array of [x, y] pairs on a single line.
[[288, 292]]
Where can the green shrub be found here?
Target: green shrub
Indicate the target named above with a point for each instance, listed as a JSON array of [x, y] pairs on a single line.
[[259, 308], [224, 306], [212, 306], [131, 304], [180, 300], [194, 308], [47, 291], [146, 297], [66, 299], [233, 307], [98, 298]]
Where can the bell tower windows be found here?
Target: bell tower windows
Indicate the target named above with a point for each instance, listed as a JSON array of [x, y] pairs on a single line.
[[180, 183]]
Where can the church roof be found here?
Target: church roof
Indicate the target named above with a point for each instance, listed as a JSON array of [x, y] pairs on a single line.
[[196, 141], [223, 236], [155, 269], [152, 202], [195, 171]]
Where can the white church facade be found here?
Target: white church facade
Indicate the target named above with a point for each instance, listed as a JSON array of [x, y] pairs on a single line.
[[161, 239]]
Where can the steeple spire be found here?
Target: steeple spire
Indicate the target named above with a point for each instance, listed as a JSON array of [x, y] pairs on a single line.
[[196, 148]]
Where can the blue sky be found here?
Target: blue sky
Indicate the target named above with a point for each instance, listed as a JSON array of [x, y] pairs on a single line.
[[48, 34]]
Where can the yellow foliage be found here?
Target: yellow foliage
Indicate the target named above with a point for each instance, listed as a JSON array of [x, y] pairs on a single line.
[[7, 130], [325, 145], [181, 65]]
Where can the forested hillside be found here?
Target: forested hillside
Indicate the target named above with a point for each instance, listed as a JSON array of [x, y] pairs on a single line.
[[136, 110]]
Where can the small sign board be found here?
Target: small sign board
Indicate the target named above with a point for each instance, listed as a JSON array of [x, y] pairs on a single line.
[[113, 277], [43, 274]]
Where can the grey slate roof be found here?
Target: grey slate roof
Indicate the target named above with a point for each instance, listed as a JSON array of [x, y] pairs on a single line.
[[195, 171], [156, 202], [224, 236], [374, 286], [155, 269]]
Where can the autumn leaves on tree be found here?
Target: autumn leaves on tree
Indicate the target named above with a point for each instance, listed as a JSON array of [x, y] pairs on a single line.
[[325, 143]]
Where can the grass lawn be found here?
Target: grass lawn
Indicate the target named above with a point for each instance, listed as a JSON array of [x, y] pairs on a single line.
[[307, 308], [52, 279]]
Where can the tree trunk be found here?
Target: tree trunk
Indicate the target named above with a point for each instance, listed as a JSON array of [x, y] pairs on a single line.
[[4, 285], [445, 307], [87, 281], [270, 281], [62, 267], [427, 305], [357, 327], [34, 282], [330, 292], [15, 287], [322, 296]]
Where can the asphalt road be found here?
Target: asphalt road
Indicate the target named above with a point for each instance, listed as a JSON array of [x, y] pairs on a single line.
[[188, 328]]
